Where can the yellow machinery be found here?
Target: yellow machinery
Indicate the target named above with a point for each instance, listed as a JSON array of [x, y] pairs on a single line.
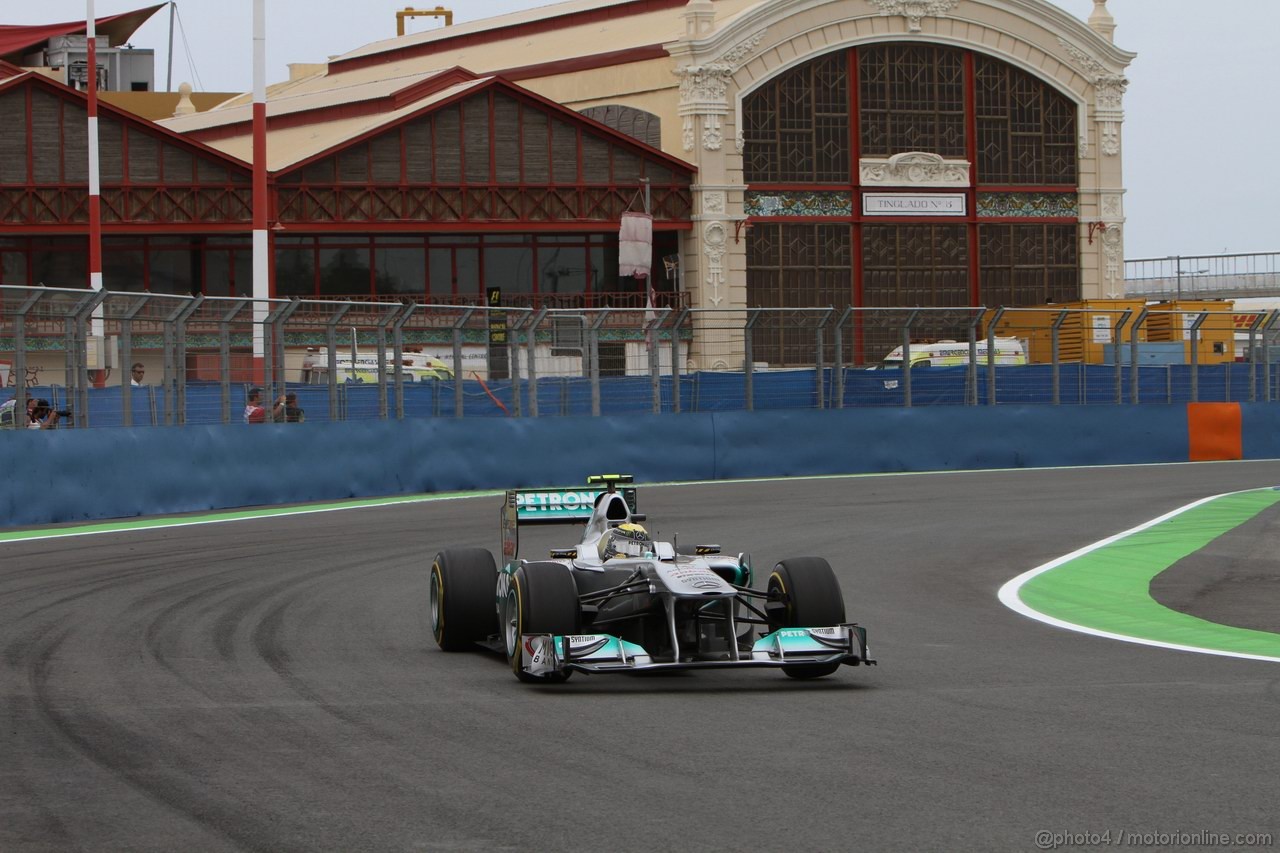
[[410, 12]]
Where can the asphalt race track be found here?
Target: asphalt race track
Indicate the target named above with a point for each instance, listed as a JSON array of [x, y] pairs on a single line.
[[271, 685]]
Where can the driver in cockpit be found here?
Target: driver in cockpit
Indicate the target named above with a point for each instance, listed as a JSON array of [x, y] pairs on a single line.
[[625, 540]]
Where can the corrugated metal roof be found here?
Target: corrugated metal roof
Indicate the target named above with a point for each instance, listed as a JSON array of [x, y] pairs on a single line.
[[310, 93], [365, 83], [563, 41], [289, 146]]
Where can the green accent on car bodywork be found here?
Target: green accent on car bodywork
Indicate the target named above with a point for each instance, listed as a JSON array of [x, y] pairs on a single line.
[[1108, 588], [555, 504]]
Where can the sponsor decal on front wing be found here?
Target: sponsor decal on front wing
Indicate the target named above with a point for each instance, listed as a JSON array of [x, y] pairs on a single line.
[[788, 641]]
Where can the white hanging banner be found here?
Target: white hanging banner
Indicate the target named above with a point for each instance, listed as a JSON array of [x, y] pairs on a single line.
[[635, 245]]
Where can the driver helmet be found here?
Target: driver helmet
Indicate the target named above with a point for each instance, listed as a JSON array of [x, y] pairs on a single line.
[[625, 540]]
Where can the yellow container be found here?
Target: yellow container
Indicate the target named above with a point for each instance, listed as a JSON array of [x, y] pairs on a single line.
[[1089, 327], [1215, 339]]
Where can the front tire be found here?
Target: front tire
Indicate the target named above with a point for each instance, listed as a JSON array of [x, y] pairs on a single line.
[[541, 599], [461, 598], [804, 593]]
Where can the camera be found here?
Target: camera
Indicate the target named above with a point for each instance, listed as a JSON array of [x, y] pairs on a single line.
[[63, 413]]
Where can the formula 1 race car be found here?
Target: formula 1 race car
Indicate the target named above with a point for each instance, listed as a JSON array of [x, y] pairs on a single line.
[[621, 602]]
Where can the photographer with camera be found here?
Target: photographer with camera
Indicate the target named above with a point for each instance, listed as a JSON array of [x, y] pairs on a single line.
[[40, 415]]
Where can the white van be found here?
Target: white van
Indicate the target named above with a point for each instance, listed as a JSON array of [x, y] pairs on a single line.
[[416, 366], [956, 353]]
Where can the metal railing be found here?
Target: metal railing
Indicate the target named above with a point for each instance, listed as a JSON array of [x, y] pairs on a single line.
[[1204, 276], [366, 359]]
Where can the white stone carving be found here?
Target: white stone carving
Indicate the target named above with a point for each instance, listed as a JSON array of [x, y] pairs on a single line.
[[712, 201], [1108, 105], [1085, 61], [712, 135], [914, 10], [703, 86], [713, 246], [736, 55], [739, 142], [1113, 251], [1112, 206], [914, 169], [703, 91]]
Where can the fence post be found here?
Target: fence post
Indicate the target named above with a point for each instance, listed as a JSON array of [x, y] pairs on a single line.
[[1116, 337], [1272, 318], [1194, 332], [397, 352], [457, 359], [1253, 356], [1055, 335], [819, 359], [180, 356], [593, 344], [531, 361], [384, 408], [839, 365], [748, 360], [77, 359], [20, 352], [331, 352], [273, 350], [1134, 370], [971, 371], [124, 350], [675, 358], [906, 358], [651, 326], [224, 355], [991, 356]]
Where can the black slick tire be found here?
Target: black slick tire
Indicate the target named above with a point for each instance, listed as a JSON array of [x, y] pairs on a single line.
[[804, 592], [541, 599], [461, 598]]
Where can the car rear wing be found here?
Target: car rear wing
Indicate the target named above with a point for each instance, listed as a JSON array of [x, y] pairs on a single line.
[[557, 506]]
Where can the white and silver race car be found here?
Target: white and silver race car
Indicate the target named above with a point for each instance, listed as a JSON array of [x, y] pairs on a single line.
[[620, 602]]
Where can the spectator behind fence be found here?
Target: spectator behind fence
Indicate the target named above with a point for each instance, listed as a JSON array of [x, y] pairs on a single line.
[[40, 415], [136, 374], [254, 413], [286, 410]]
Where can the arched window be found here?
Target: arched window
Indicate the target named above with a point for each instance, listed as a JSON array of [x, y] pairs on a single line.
[[635, 123], [1008, 235]]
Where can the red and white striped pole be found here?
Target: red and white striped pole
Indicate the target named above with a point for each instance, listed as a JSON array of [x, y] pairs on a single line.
[[95, 185], [261, 247]]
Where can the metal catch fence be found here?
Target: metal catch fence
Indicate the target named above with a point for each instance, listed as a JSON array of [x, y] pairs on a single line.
[[199, 357]]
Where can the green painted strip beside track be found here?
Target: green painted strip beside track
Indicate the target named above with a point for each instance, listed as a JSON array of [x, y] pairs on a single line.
[[151, 523], [1108, 589]]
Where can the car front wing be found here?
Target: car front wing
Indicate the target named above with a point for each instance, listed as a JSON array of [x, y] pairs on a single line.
[[542, 654]]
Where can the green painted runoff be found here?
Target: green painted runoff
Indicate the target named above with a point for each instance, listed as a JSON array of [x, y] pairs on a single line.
[[1108, 589]]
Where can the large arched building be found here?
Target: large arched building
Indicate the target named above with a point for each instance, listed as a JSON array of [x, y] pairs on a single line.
[[798, 152]]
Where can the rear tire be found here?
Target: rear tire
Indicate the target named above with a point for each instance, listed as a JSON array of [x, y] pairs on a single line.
[[804, 593], [542, 598], [461, 598]]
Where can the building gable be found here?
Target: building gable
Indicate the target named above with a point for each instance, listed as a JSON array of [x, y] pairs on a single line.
[[494, 155], [148, 174]]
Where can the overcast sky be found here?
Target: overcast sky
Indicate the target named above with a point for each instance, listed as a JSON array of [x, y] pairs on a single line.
[[1200, 129]]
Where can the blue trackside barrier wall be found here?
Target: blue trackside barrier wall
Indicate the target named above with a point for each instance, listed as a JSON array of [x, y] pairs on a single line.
[[74, 475], [706, 391]]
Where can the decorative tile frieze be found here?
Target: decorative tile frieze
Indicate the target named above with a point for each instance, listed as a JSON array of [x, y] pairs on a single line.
[[798, 203], [1028, 205]]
